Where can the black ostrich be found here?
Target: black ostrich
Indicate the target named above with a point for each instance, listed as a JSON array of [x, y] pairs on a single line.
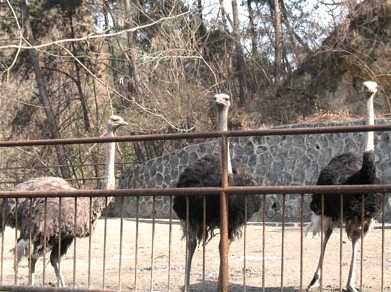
[[347, 169], [206, 172]]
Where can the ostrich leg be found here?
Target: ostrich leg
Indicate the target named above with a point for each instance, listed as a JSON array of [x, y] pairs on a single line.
[[352, 271], [191, 246], [20, 251], [315, 282], [32, 263], [55, 265], [54, 257]]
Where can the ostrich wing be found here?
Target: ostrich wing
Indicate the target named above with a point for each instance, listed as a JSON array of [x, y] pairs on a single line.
[[337, 172], [340, 169]]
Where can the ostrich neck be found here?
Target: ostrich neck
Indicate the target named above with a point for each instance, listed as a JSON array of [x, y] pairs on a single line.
[[100, 203], [110, 160], [223, 126], [370, 144]]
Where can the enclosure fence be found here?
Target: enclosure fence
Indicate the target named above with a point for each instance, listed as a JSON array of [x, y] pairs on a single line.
[[223, 192]]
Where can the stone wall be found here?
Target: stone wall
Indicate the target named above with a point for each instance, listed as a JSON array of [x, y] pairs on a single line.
[[273, 160]]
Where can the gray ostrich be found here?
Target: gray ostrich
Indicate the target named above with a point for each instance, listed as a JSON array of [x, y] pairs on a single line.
[[31, 213], [206, 172], [348, 169]]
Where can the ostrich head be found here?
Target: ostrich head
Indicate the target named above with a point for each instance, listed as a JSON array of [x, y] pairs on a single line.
[[222, 100], [222, 103], [115, 122], [370, 88]]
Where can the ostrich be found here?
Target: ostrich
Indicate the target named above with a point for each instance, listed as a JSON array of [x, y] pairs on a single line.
[[31, 213], [347, 169], [206, 172]]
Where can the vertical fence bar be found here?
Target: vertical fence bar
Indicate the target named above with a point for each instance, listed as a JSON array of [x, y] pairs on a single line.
[[362, 240], [187, 244], [340, 242], [89, 243], [59, 236], [382, 245], [2, 229], [16, 240], [321, 240], [121, 231], [30, 240], [169, 245], [244, 243], [136, 243], [282, 242], [263, 241], [104, 247], [301, 239], [2, 239], [153, 241], [45, 227], [203, 240], [74, 245], [224, 277]]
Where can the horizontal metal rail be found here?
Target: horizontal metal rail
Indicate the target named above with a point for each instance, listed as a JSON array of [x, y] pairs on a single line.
[[92, 178], [323, 189], [17, 288], [62, 165], [177, 136]]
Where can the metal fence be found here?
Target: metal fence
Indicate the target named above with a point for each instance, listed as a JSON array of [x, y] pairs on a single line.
[[222, 191]]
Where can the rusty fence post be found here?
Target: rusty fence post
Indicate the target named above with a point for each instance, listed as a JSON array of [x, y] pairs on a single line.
[[223, 280]]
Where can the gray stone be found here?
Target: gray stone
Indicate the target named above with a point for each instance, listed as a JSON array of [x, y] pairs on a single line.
[[261, 149], [252, 161], [273, 160]]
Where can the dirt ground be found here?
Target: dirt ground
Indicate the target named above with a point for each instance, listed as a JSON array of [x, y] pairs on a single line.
[[253, 271]]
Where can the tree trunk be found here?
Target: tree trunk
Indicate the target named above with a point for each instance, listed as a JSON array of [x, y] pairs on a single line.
[[240, 68], [82, 97], [278, 50], [43, 95], [134, 84], [223, 15], [252, 28], [199, 9], [294, 38]]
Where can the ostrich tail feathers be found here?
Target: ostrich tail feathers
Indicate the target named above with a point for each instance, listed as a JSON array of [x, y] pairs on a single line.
[[314, 226], [21, 250]]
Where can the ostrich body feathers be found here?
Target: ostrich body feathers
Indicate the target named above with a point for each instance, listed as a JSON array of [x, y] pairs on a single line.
[[206, 172], [13, 209], [31, 214], [347, 169]]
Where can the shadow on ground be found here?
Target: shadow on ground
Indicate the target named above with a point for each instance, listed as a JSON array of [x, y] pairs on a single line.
[[210, 286]]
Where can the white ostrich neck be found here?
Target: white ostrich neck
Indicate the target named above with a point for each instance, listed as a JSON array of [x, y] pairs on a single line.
[[222, 119], [370, 143], [110, 160], [223, 126]]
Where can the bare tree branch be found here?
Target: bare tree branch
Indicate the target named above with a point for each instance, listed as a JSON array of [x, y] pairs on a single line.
[[7, 70], [92, 36], [133, 101]]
